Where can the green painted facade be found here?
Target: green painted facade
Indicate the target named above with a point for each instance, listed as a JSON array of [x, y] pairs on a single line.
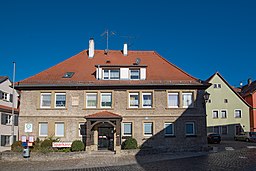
[[225, 101]]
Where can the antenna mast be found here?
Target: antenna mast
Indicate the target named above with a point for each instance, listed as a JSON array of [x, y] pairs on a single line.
[[107, 34]]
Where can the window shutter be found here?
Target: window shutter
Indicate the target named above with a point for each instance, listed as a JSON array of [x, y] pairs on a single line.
[[3, 119], [11, 98], [99, 73], [16, 119], [124, 73], [143, 73], [1, 94], [14, 138], [2, 140]]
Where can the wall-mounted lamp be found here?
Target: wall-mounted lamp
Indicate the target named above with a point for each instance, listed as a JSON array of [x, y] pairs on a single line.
[[206, 96]]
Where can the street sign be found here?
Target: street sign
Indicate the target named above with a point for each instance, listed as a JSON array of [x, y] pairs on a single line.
[[28, 127]]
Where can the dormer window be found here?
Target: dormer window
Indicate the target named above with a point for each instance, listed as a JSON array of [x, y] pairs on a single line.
[[134, 74], [68, 75], [111, 74]]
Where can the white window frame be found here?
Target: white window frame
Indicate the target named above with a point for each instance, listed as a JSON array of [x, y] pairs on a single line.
[[55, 100], [213, 114], [151, 94], [6, 96], [130, 100], [39, 133], [123, 124], [169, 106], [56, 128], [41, 101], [96, 94], [138, 74], [111, 98], [224, 110], [108, 71], [183, 101], [240, 113], [193, 123], [166, 124], [152, 129]]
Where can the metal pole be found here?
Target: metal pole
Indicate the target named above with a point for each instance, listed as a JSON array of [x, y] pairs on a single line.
[[13, 100]]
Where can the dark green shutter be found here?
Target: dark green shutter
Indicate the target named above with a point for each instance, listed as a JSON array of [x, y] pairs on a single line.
[[16, 119], [1, 94], [2, 140], [3, 119], [11, 97]]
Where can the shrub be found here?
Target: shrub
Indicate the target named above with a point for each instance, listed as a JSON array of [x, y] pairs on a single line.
[[17, 146], [130, 143], [47, 143], [77, 145]]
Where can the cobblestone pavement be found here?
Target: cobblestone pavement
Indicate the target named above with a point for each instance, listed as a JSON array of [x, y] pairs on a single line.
[[228, 156]]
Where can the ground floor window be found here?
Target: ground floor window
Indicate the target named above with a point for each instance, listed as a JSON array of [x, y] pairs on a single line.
[[127, 129], [148, 129], [43, 129], [59, 129], [6, 139], [216, 129], [168, 129], [224, 130], [190, 128]]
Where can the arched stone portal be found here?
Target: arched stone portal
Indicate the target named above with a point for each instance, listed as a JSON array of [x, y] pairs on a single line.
[[103, 132]]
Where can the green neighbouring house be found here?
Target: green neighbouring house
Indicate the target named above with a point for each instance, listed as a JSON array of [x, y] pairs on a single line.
[[227, 112]]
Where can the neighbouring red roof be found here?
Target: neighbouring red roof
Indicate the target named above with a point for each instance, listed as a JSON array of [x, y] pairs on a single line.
[[248, 89], [159, 70], [8, 109], [103, 115]]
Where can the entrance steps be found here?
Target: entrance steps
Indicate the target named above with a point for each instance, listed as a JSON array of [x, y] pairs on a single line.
[[102, 152]]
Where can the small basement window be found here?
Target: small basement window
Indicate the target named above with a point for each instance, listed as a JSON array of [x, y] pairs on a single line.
[[68, 75]]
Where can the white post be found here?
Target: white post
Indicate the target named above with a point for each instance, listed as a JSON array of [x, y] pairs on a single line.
[[13, 99]]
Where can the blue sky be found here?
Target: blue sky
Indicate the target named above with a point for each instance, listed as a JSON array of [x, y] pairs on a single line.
[[200, 37]]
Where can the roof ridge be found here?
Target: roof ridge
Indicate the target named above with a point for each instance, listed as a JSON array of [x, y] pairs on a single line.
[[175, 66]]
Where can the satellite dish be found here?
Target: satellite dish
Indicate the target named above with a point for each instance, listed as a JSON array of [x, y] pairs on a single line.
[[137, 62]]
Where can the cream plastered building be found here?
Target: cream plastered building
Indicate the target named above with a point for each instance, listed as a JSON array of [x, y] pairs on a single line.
[[227, 112]]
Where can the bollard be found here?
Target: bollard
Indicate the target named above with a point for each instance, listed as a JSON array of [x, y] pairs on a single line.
[[26, 152]]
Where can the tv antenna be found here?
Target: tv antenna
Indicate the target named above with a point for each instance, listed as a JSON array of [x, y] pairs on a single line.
[[129, 39], [107, 34]]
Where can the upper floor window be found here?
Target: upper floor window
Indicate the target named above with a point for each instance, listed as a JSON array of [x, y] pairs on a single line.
[[111, 74], [238, 113], [215, 113], [216, 85], [187, 99], [134, 74], [134, 100], [223, 114], [91, 100], [6, 119], [46, 100], [60, 100], [147, 100], [6, 96], [173, 100], [106, 100]]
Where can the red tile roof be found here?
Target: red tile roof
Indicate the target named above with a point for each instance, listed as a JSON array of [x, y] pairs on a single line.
[[248, 89], [103, 115], [8, 109], [159, 70]]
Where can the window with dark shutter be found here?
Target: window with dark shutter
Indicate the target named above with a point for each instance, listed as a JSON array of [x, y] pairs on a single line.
[[11, 98], [2, 140], [1, 95], [3, 119], [16, 119], [14, 138]]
